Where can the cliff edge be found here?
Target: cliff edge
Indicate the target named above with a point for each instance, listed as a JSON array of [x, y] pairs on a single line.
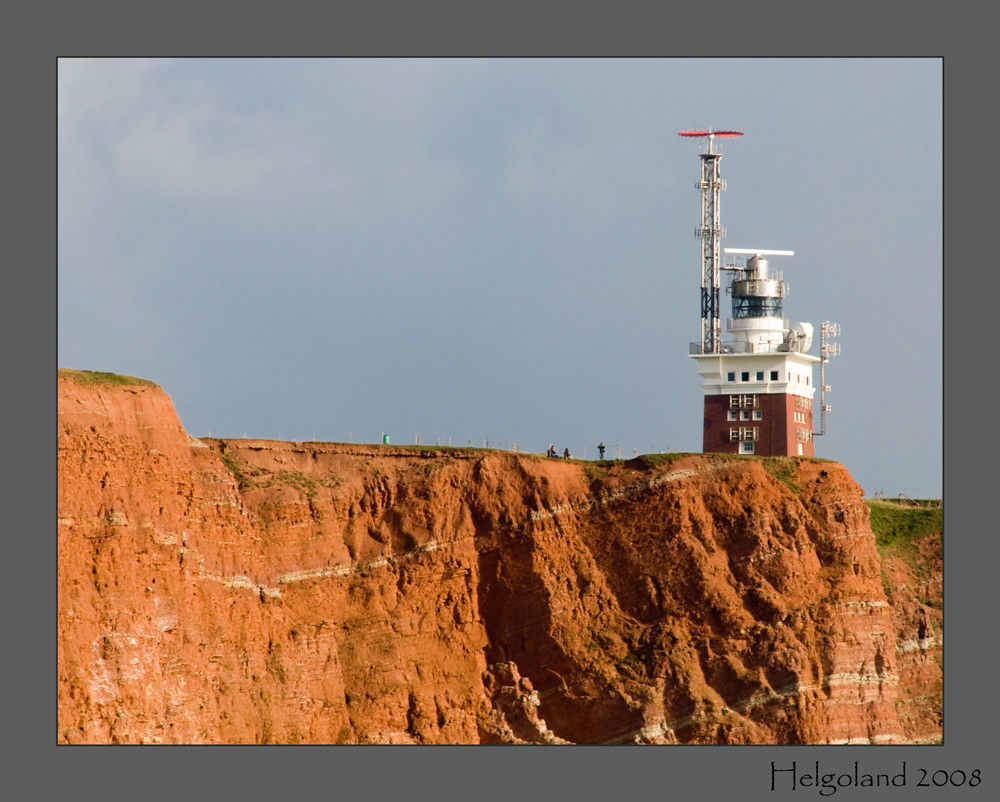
[[249, 591]]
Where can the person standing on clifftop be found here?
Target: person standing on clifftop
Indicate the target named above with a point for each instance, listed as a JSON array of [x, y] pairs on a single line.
[[600, 448], [552, 452]]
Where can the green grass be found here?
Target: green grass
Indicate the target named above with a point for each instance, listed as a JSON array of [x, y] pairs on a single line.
[[236, 469], [783, 469], [249, 477], [663, 458], [595, 471], [305, 484], [97, 377], [896, 525]]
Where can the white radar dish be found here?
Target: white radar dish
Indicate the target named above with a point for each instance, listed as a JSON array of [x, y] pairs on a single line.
[[804, 337], [759, 251]]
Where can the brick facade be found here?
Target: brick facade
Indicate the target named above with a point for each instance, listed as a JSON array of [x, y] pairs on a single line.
[[785, 422]]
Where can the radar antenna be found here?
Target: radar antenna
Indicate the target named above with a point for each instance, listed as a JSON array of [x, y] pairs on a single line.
[[710, 134]]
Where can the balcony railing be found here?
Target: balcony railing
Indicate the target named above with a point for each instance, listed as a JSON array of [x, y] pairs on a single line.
[[740, 347]]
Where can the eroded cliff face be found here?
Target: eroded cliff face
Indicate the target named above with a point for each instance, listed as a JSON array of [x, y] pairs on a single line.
[[244, 591], [915, 595]]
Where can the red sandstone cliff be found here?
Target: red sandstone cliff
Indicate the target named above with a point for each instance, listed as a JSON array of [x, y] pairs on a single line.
[[241, 591]]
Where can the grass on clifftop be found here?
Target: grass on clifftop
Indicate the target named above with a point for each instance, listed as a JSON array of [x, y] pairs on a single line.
[[660, 458], [96, 377], [897, 525]]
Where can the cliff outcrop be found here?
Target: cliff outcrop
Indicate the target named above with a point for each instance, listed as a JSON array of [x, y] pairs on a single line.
[[249, 591]]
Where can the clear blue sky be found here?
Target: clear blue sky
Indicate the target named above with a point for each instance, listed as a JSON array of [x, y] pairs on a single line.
[[497, 249]]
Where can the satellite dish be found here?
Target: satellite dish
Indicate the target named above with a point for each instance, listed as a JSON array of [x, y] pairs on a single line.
[[803, 337]]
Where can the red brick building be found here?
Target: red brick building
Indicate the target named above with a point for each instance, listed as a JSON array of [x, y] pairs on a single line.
[[758, 404]]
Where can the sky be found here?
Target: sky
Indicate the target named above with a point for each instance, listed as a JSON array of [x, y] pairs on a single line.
[[465, 251]]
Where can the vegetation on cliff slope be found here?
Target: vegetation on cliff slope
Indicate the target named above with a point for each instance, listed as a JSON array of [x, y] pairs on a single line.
[[899, 525], [896, 524], [97, 377]]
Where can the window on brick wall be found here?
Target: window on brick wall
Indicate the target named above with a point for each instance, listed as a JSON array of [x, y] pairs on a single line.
[[757, 414], [731, 415]]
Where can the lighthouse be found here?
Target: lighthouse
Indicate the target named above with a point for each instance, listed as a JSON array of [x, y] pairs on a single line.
[[758, 383]]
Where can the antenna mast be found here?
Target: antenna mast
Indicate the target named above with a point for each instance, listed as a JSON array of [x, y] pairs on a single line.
[[710, 232], [826, 350]]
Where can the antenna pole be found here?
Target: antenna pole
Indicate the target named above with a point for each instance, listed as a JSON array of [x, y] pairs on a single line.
[[710, 232], [711, 236], [826, 350]]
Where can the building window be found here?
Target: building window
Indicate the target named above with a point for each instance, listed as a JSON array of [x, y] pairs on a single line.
[[760, 375], [757, 414], [745, 375], [731, 415], [744, 414], [731, 376], [774, 375], [746, 447]]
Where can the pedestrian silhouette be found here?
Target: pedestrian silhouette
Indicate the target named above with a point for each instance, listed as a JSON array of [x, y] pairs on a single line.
[[600, 448]]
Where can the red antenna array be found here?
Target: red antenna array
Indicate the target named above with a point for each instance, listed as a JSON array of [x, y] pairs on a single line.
[[710, 134]]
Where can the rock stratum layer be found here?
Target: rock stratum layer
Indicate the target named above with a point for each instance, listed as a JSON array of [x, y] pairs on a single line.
[[247, 591]]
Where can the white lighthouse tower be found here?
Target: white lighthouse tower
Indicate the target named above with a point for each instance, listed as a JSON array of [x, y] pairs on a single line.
[[758, 384]]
